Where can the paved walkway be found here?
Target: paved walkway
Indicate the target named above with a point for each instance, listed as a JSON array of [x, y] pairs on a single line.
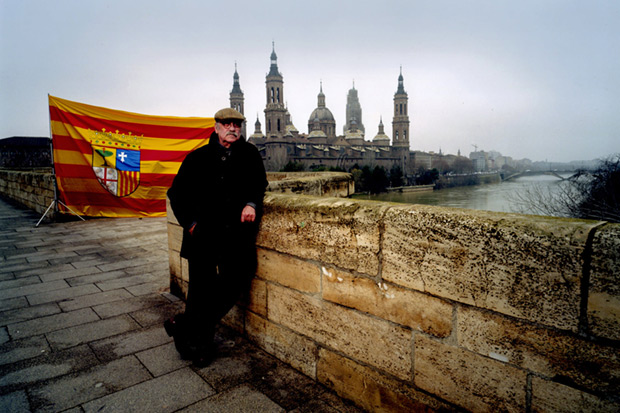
[[81, 312]]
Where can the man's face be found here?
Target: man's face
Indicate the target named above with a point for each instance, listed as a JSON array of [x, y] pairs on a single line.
[[228, 131]]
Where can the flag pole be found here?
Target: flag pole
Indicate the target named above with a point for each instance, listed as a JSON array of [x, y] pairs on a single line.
[[55, 201]]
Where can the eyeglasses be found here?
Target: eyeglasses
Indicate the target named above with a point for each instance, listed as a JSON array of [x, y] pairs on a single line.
[[231, 122]]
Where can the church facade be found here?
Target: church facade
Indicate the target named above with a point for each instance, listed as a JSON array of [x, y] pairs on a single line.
[[321, 146]]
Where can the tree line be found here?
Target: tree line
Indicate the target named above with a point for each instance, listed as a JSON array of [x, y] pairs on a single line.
[[588, 194]]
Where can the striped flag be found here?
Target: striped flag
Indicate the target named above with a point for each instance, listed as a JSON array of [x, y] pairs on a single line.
[[110, 163]]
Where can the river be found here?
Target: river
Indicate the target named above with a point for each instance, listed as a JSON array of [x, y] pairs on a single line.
[[498, 197]]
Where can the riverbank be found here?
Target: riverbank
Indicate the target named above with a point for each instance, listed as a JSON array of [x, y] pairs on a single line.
[[451, 181], [413, 188], [495, 196]]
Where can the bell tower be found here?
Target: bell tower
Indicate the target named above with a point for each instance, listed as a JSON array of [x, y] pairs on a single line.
[[236, 98], [400, 122], [275, 110]]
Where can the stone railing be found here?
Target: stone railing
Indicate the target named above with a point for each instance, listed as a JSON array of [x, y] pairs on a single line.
[[408, 307], [338, 184], [34, 188]]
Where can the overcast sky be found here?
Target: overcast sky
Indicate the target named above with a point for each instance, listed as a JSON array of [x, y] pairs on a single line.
[[536, 79]]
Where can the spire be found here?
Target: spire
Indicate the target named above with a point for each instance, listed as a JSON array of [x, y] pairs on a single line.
[[321, 97], [257, 126], [381, 129], [236, 87], [273, 70], [401, 87]]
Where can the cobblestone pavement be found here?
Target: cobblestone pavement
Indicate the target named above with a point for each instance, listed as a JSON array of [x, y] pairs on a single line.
[[81, 312]]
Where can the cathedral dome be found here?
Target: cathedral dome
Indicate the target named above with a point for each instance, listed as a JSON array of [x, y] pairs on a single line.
[[322, 118], [381, 138], [322, 114]]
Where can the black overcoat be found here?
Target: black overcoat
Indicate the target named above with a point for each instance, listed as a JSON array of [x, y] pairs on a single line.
[[211, 189]]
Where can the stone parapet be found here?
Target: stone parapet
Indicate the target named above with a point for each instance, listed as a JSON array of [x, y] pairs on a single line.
[[338, 184], [32, 189], [416, 308]]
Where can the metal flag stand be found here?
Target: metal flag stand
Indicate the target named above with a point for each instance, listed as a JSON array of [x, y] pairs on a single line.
[[55, 201]]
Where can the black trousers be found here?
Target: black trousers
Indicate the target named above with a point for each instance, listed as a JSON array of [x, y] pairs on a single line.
[[216, 282]]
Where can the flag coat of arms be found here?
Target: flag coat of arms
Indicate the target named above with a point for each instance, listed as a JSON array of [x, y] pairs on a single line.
[[112, 163]]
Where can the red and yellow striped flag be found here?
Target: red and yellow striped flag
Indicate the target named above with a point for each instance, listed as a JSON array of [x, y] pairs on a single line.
[[111, 163]]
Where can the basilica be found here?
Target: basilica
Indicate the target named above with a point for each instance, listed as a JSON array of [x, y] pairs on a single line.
[[282, 143]]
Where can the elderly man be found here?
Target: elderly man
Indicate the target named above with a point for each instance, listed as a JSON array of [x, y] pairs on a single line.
[[217, 197]]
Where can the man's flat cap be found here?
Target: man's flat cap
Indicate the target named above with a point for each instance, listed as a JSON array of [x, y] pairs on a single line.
[[228, 114]]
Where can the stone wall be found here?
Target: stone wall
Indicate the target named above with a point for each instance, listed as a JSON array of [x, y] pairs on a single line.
[[34, 189], [409, 307], [338, 184]]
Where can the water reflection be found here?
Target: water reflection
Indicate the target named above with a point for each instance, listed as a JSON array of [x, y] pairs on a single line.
[[489, 197]]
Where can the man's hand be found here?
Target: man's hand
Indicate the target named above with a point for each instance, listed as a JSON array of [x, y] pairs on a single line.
[[248, 214]]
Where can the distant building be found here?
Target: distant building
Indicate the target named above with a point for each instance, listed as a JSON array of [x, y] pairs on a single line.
[[479, 159], [321, 147], [25, 152]]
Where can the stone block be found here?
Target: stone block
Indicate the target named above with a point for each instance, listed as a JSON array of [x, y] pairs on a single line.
[[361, 337], [26, 373], [548, 396], [258, 297], [332, 230], [70, 391], [524, 266], [288, 271], [31, 288], [85, 333], [127, 305], [390, 302], [546, 352], [62, 294], [185, 270], [15, 402], [127, 281], [17, 350], [373, 391], [469, 380], [175, 237], [162, 359], [244, 398], [50, 323], [174, 390], [115, 347], [604, 294], [235, 319], [174, 263], [29, 313], [170, 214], [294, 349]]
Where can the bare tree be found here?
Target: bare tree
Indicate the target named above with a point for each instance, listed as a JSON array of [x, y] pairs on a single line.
[[586, 194]]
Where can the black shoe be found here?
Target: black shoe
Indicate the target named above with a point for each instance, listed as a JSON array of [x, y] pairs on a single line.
[[170, 327], [185, 351], [204, 357]]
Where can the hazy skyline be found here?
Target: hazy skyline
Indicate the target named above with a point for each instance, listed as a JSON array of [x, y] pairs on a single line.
[[536, 79]]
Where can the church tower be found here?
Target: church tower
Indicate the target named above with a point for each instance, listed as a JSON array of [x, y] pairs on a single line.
[[400, 122], [275, 110], [353, 111], [236, 98]]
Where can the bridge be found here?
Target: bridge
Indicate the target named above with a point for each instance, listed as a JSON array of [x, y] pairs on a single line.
[[515, 175]]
